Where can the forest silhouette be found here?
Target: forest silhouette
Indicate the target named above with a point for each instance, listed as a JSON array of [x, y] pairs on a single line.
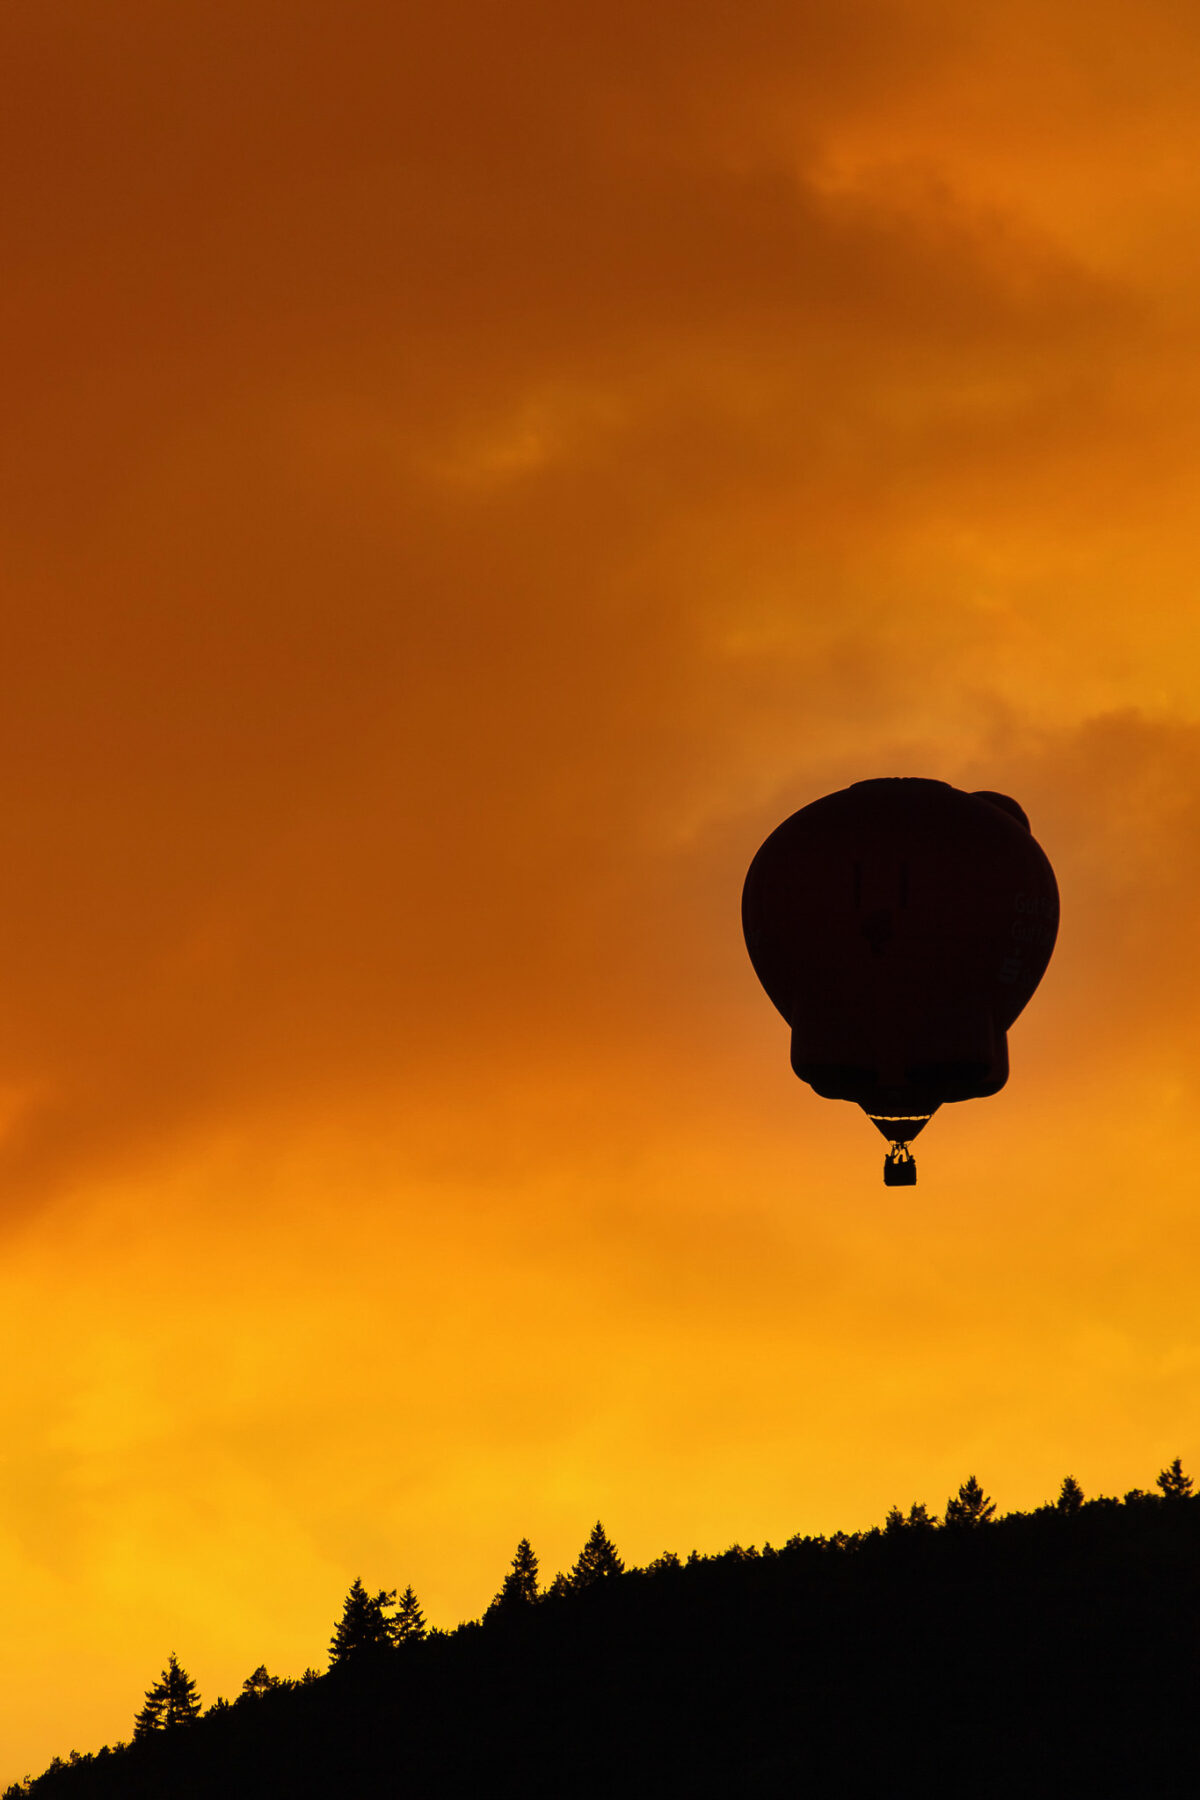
[[1049, 1652]]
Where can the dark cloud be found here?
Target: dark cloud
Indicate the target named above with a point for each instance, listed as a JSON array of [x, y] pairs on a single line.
[[456, 459], [432, 484]]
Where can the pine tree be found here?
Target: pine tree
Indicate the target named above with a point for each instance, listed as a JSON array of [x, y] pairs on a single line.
[[1070, 1497], [520, 1586], [559, 1588], [408, 1626], [183, 1698], [972, 1507], [259, 1683], [1174, 1483], [362, 1631], [172, 1701], [150, 1719], [598, 1561]]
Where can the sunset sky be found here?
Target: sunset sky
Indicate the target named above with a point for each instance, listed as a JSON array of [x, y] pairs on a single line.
[[471, 470]]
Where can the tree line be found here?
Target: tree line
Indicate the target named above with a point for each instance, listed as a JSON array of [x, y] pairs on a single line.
[[734, 1612], [368, 1629]]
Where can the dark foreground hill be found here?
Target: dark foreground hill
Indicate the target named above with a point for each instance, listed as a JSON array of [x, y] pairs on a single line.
[[1052, 1653]]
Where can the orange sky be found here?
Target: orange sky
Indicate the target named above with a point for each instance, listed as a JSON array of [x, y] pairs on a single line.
[[470, 471]]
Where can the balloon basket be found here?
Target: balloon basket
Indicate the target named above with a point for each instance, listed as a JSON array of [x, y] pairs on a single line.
[[900, 1167]]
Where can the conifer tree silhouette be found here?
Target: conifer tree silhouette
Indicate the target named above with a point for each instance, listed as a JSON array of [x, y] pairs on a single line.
[[1070, 1497], [363, 1630], [408, 1626], [172, 1701], [259, 1683], [520, 1585], [1174, 1483], [150, 1719], [598, 1561], [559, 1588], [971, 1508]]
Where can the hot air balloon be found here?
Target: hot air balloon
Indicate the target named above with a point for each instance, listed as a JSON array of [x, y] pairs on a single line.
[[900, 926]]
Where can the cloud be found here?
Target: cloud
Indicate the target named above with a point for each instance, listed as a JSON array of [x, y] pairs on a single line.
[[442, 493]]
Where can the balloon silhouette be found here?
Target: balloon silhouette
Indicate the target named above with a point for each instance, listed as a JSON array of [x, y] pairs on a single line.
[[900, 926]]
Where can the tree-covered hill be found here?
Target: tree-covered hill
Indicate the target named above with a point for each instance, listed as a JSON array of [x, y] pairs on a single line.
[[1047, 1653]]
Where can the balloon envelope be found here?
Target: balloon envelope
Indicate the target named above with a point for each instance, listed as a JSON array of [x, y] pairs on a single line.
[[900, 926]]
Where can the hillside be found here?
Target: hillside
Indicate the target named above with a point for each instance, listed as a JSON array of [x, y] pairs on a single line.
[[1055, 1652]]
